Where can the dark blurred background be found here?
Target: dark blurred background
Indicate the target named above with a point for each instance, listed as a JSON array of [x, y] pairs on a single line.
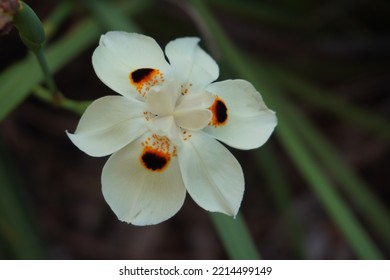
[[342, 46]]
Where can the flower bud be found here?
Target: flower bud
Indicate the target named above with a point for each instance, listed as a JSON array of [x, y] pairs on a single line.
[[30, 27]]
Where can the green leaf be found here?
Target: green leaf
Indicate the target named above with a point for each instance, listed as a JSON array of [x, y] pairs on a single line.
[[374, 211], [280, 191], [16, 225], [235, 237]]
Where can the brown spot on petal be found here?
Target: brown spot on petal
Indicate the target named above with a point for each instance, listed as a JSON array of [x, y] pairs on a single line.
[[220, 112], [144, 78], [157, 153], [139, 75], [155, 160]]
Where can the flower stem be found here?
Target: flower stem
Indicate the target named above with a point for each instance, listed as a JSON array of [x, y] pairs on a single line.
[[56, 95], [78, 107]]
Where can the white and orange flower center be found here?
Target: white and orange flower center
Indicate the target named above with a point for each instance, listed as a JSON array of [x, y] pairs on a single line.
[[170, 113]]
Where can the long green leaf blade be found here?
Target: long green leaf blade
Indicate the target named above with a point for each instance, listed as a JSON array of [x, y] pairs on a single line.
[[235, 237], [16, 227]]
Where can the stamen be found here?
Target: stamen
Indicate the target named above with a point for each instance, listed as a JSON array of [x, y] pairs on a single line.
[[186, 135]]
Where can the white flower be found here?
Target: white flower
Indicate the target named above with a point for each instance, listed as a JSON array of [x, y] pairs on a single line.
[[162, 129]]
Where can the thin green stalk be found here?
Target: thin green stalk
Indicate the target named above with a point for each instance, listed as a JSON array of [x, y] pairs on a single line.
[[47, 73], [337, 209], [235, 237], [77, 107], [51, 25]]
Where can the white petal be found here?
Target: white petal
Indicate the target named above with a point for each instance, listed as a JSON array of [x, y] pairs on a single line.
[[166, 126], [249, 122], [108, 124], [162, 100], [211, 174], [193, 120], [190, 64], [194, 100], [120, 53], [138, 195]]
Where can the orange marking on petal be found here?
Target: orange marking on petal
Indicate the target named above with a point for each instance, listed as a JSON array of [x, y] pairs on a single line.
[[144, 78], [154, 159], [219, 111], [157, 156]]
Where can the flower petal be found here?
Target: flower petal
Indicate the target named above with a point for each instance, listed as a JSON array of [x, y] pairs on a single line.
[[190, 64], [195, 100], [193, 120], [143, 188], [191, 110], [242, 121], [162, 100], [165, 126], [211, 174], [120, 53], [108, 124]]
